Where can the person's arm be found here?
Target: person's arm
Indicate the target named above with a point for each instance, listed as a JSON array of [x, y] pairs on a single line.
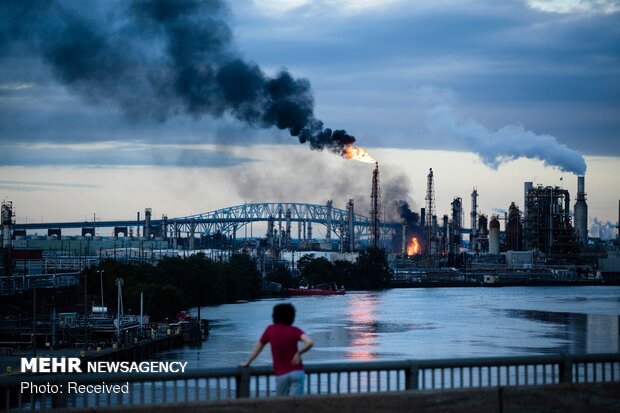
[[307, 346], [255, 353]]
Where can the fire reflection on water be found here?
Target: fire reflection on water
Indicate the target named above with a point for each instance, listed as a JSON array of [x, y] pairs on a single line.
[[362, 317]]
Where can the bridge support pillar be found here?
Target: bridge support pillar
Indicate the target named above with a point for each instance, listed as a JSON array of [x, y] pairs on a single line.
[[192, 231]]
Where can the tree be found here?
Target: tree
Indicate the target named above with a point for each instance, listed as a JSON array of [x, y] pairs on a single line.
[[246, 278], [316, 270], [372, 269], [346, 274], [281, 275]]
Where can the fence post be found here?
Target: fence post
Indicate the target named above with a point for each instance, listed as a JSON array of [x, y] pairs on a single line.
[[411, 377], [59, 400], [243, 383], [566, 370]]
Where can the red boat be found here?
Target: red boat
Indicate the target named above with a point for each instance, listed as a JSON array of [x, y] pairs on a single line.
[[322, 289]]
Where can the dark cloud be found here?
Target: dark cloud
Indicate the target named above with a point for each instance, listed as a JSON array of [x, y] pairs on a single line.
[[554, 73], [160, 58]]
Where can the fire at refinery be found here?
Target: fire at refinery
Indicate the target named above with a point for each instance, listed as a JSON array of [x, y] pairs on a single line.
[[357, 154], [413, 248]]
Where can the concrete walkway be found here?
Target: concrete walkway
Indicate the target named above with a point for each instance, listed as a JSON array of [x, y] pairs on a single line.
[[599, 398]]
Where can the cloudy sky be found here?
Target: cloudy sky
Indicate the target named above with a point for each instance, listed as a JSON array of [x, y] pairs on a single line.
[[113, 106]]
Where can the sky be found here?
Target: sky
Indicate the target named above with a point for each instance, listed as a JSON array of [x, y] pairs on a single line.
[[109, 107]]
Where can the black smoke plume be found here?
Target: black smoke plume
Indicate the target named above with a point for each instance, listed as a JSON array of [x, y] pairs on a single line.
[[412, 224], [162, 58]]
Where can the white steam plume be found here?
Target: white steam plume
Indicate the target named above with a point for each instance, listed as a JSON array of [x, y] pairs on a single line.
[[496, 147], [603, 230]]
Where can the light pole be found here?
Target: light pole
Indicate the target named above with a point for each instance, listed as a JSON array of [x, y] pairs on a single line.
[[119, 283], [101, 281], [85, 311]]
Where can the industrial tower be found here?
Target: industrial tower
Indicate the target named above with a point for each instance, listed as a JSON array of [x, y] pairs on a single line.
[[473, 237], [581, 212], [375, 208], [430, 210]]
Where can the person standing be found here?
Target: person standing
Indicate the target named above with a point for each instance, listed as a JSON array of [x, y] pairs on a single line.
[[283, 338]]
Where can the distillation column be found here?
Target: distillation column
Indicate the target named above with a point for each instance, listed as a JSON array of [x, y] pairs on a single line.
[[375, 208], [474, 220], [328, 232], [147, 223], [350, 227], [430, 210], [7, 221]]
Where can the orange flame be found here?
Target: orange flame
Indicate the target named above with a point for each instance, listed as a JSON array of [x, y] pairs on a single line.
[[414, 247], [357, 154]]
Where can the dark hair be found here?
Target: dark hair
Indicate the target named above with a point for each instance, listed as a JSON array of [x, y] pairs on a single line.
[[284, 314]]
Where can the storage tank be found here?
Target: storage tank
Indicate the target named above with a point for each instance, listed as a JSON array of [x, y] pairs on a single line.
[[581, 212], [494, 236]]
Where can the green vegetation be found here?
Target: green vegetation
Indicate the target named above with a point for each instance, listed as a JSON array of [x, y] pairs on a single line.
[[369, 272], [178, 283], [175, 283]]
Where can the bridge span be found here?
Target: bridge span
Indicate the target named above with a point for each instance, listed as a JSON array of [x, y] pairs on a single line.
[[228, 221]]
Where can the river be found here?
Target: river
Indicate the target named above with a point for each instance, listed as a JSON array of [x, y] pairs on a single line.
[[422, 323]]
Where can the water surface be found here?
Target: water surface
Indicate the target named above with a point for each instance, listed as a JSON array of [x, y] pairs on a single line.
[[423, 323]]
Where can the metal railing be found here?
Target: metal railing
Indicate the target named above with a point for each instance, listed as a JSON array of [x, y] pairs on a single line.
[[325, 378]]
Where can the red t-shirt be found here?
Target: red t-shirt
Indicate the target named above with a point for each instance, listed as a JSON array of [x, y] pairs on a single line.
[[283, 340]]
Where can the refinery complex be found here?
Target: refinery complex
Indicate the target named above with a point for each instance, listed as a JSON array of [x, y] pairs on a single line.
[[542, 238]]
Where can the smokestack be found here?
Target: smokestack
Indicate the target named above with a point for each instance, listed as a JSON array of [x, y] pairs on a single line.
[[581, 212]]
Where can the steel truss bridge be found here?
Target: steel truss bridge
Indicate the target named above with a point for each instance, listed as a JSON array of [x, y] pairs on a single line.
[[229, 221]]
